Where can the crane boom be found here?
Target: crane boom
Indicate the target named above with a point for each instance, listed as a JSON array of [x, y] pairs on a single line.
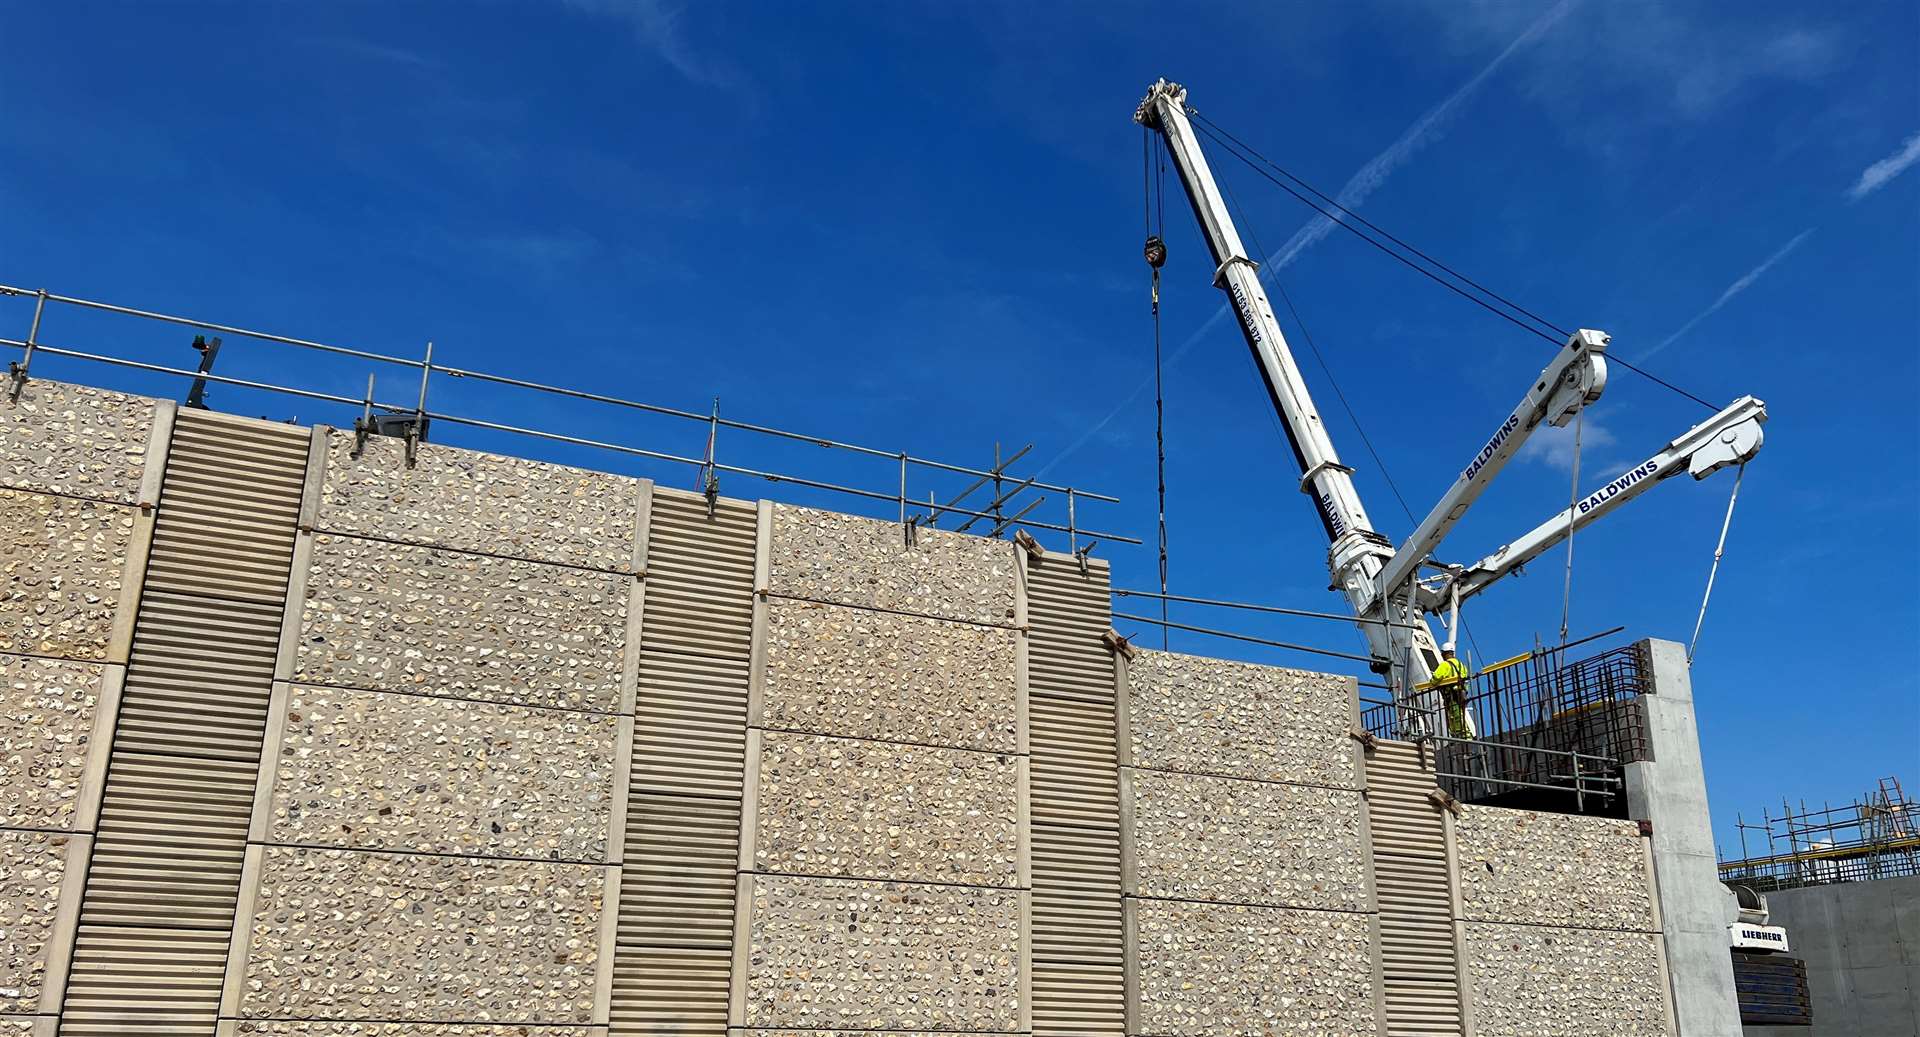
[[1390, 603], [1358, 553], [1732, 436]]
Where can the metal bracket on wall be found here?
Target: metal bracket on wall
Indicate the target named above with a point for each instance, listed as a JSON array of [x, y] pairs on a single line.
[[1118, 642]]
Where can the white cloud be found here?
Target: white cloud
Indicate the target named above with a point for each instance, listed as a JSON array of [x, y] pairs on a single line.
[[1876, 176], [1744, 282], [1553, 447], [657, 25]]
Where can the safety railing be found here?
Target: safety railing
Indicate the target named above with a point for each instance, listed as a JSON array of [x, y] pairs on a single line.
[[1534, 724], [1014, 500]]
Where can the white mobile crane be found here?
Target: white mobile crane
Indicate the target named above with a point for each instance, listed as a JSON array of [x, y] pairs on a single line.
[[1382, 584]]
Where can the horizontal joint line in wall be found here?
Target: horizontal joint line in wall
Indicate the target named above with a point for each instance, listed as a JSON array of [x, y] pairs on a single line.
[[641, 789], [828, 1029], [1551, 925], [77, 832], [1245, 903], [1237, 777], [873, 878], [272, 844], [1008, 625], [60, 659], [295, 681], [317, 530], [158, 586], [131, 505], [888, 741]]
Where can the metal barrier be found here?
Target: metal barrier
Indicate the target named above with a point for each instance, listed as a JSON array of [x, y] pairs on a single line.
[[1540, 725], [1006, 510]]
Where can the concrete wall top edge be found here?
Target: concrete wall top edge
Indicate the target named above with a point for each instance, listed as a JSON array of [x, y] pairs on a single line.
[[75, 440], [485, 503], [843, 559]]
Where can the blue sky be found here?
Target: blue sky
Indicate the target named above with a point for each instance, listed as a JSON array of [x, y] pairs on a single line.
[[918, 227]]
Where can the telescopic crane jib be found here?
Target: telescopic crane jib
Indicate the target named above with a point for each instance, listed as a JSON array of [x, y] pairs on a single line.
[[1379, 581]]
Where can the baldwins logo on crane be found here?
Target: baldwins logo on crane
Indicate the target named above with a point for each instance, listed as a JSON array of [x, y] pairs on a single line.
[[1602, 495], [1486, 452]]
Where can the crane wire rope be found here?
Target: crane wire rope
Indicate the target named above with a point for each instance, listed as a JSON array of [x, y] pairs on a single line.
[[1267, 272], [1573, 501], [1153, 204], [1718, 549], [1538, 327]]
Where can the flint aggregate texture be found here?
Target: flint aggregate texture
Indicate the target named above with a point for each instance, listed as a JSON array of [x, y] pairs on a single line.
[[836, 806], [1552, 869], [823, 556], [382, 615], [75, 441], [470, 501], [32, 865], [1211, 716], [1252, 842], [46, 723], [21, 1027], [60, 563], [402, 772], [261, 1028], [838, 954], [1535, 981], [1216, 970], [342, 934], [852, 671]]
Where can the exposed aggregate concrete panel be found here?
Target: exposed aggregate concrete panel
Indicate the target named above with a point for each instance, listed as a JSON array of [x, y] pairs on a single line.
[[47, 711], [342, 934], [1552, 869], [1219, 970], [76, 441], [60, 573], [1210, 716], [262, 1028], [823, 556], [403, 772], [1538, 981], [32, 866], [850, 671], [390, 616], [24, 1027], [840, 954], [1251, 842], [472, 501], [837, 806]]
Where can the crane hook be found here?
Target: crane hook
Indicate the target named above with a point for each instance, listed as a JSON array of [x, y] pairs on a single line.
[[1156, 252]]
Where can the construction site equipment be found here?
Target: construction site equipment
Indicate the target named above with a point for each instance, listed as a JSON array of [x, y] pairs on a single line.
[[1380, 581], [1877, 836]]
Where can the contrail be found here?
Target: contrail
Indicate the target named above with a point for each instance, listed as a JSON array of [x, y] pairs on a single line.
[[1746, 281], [1876, 175], [1367, 180]]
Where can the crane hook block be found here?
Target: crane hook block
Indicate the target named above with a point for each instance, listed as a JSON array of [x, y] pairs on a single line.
[[1156, 252]]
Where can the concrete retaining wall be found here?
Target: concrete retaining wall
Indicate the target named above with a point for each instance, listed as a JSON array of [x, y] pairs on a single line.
[[1861, 943], [1245, 853], [73, 472], [440, 830]]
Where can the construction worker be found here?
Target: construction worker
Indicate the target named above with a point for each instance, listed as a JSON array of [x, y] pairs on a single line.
[[1451, 678]]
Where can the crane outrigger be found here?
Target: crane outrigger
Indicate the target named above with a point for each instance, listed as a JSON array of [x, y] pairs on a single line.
[[1383, 585]]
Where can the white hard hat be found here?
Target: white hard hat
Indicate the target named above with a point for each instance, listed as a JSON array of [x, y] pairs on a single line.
[[1448, 647]]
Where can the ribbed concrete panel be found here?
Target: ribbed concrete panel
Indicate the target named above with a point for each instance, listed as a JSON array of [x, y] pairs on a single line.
[[1079, 985], [228, 505], [161, 893], [1419, 961], [674, 939]]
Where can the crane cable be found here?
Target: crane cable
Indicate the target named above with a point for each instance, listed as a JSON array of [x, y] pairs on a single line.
[[1153, 202], [1718, 549], [1533, 324], [1573, 501]]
